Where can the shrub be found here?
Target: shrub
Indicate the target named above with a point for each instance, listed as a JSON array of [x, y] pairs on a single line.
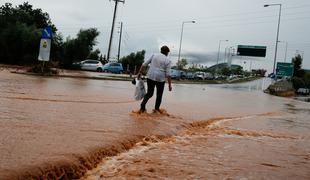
[[298, 82]]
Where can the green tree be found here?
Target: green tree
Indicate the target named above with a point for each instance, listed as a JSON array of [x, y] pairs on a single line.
[[182, 64], [226, 71], [297, 61], [78, 49], [94, 55], [307, 80], [20, 33], [133, 61], [299, 78], [237, 70]]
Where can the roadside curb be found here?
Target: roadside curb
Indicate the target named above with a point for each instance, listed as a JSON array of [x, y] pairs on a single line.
[[114, 78], [71, 76]]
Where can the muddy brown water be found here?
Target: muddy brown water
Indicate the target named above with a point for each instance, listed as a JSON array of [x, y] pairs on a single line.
[[61, 127]]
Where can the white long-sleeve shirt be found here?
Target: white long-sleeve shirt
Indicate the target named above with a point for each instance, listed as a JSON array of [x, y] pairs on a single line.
[[160, 67]]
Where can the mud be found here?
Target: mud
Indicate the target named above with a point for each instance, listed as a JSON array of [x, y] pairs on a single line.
[[58, 128], [214, 150]]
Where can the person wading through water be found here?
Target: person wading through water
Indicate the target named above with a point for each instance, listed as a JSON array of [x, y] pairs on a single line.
[[159, 71]]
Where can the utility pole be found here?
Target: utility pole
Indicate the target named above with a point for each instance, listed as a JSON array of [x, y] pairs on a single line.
[[218, 55], [112, 29], [276, 50], [179, 55], [120, 41]]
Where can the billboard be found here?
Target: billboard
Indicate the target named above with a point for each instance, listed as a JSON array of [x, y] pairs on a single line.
[[248, 50], [285, 69]]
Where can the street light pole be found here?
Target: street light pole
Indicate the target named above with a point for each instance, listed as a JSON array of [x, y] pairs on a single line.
[[182, 38], [225, 56], [218, 53], [276, 50], [286, 44]]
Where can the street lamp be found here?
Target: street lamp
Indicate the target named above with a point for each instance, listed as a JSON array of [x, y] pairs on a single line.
[[218, 53], [275, 56], [182, 37], [286, 44]]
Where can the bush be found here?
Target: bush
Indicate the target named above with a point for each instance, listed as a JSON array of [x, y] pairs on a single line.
[[307, 80], [298, 83], [50, 68]]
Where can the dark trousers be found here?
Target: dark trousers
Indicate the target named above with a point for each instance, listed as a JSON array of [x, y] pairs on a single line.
[[150, 91]]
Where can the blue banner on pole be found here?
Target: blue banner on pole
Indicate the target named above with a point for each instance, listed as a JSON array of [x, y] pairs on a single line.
[[47, 33]]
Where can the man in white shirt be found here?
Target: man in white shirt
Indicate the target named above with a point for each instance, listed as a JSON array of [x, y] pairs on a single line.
[[159, 71]]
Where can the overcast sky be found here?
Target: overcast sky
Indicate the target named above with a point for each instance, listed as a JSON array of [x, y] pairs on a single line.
[[148, 24]]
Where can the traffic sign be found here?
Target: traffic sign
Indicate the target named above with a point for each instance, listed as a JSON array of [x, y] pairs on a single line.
[[285, 69], [249, 50], [47, 33], [45, 48]]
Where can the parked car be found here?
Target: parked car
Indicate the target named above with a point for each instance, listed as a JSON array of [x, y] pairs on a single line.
[[199, 75], [92, 65], [177, 74], [190, 75], [303, 91], [76, 65], [113, 67], [220, 77], [209, 76]]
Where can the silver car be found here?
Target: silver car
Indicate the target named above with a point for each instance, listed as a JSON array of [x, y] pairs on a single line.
[[92, 65]]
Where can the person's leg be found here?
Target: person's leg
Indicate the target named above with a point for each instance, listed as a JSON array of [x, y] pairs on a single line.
[[149, 94], [159, 94]]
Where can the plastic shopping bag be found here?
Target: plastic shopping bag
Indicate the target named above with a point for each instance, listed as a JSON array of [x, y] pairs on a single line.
[[140, 89]]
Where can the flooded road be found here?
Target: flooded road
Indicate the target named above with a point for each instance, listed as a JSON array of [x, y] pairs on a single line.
[[60, 127]]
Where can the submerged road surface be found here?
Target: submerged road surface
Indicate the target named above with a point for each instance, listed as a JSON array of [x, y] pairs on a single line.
[[61, 127]]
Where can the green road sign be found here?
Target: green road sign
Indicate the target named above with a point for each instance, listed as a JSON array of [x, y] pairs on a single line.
[[285, 69], [249, 50], [252, 47]]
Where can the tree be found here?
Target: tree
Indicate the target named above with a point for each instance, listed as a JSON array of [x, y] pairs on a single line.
[[133, 61], [237, 71], [80, 48], [297, 61], [94, 55], [103, 59], [181, 64], [307, 80], [299, 78], [20, 33], [226, 71]]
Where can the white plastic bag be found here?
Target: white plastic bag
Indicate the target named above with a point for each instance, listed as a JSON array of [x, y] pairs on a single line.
[[140, 89]]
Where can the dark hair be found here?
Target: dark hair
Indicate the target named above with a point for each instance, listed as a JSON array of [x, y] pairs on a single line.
[[165, 50]]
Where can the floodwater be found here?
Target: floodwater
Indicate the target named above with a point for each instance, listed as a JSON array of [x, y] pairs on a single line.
[[61, 127]]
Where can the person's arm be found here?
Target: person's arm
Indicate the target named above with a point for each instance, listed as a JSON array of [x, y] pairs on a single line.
[[169, 83], [144, 65], [142, 68], [168, 75]]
